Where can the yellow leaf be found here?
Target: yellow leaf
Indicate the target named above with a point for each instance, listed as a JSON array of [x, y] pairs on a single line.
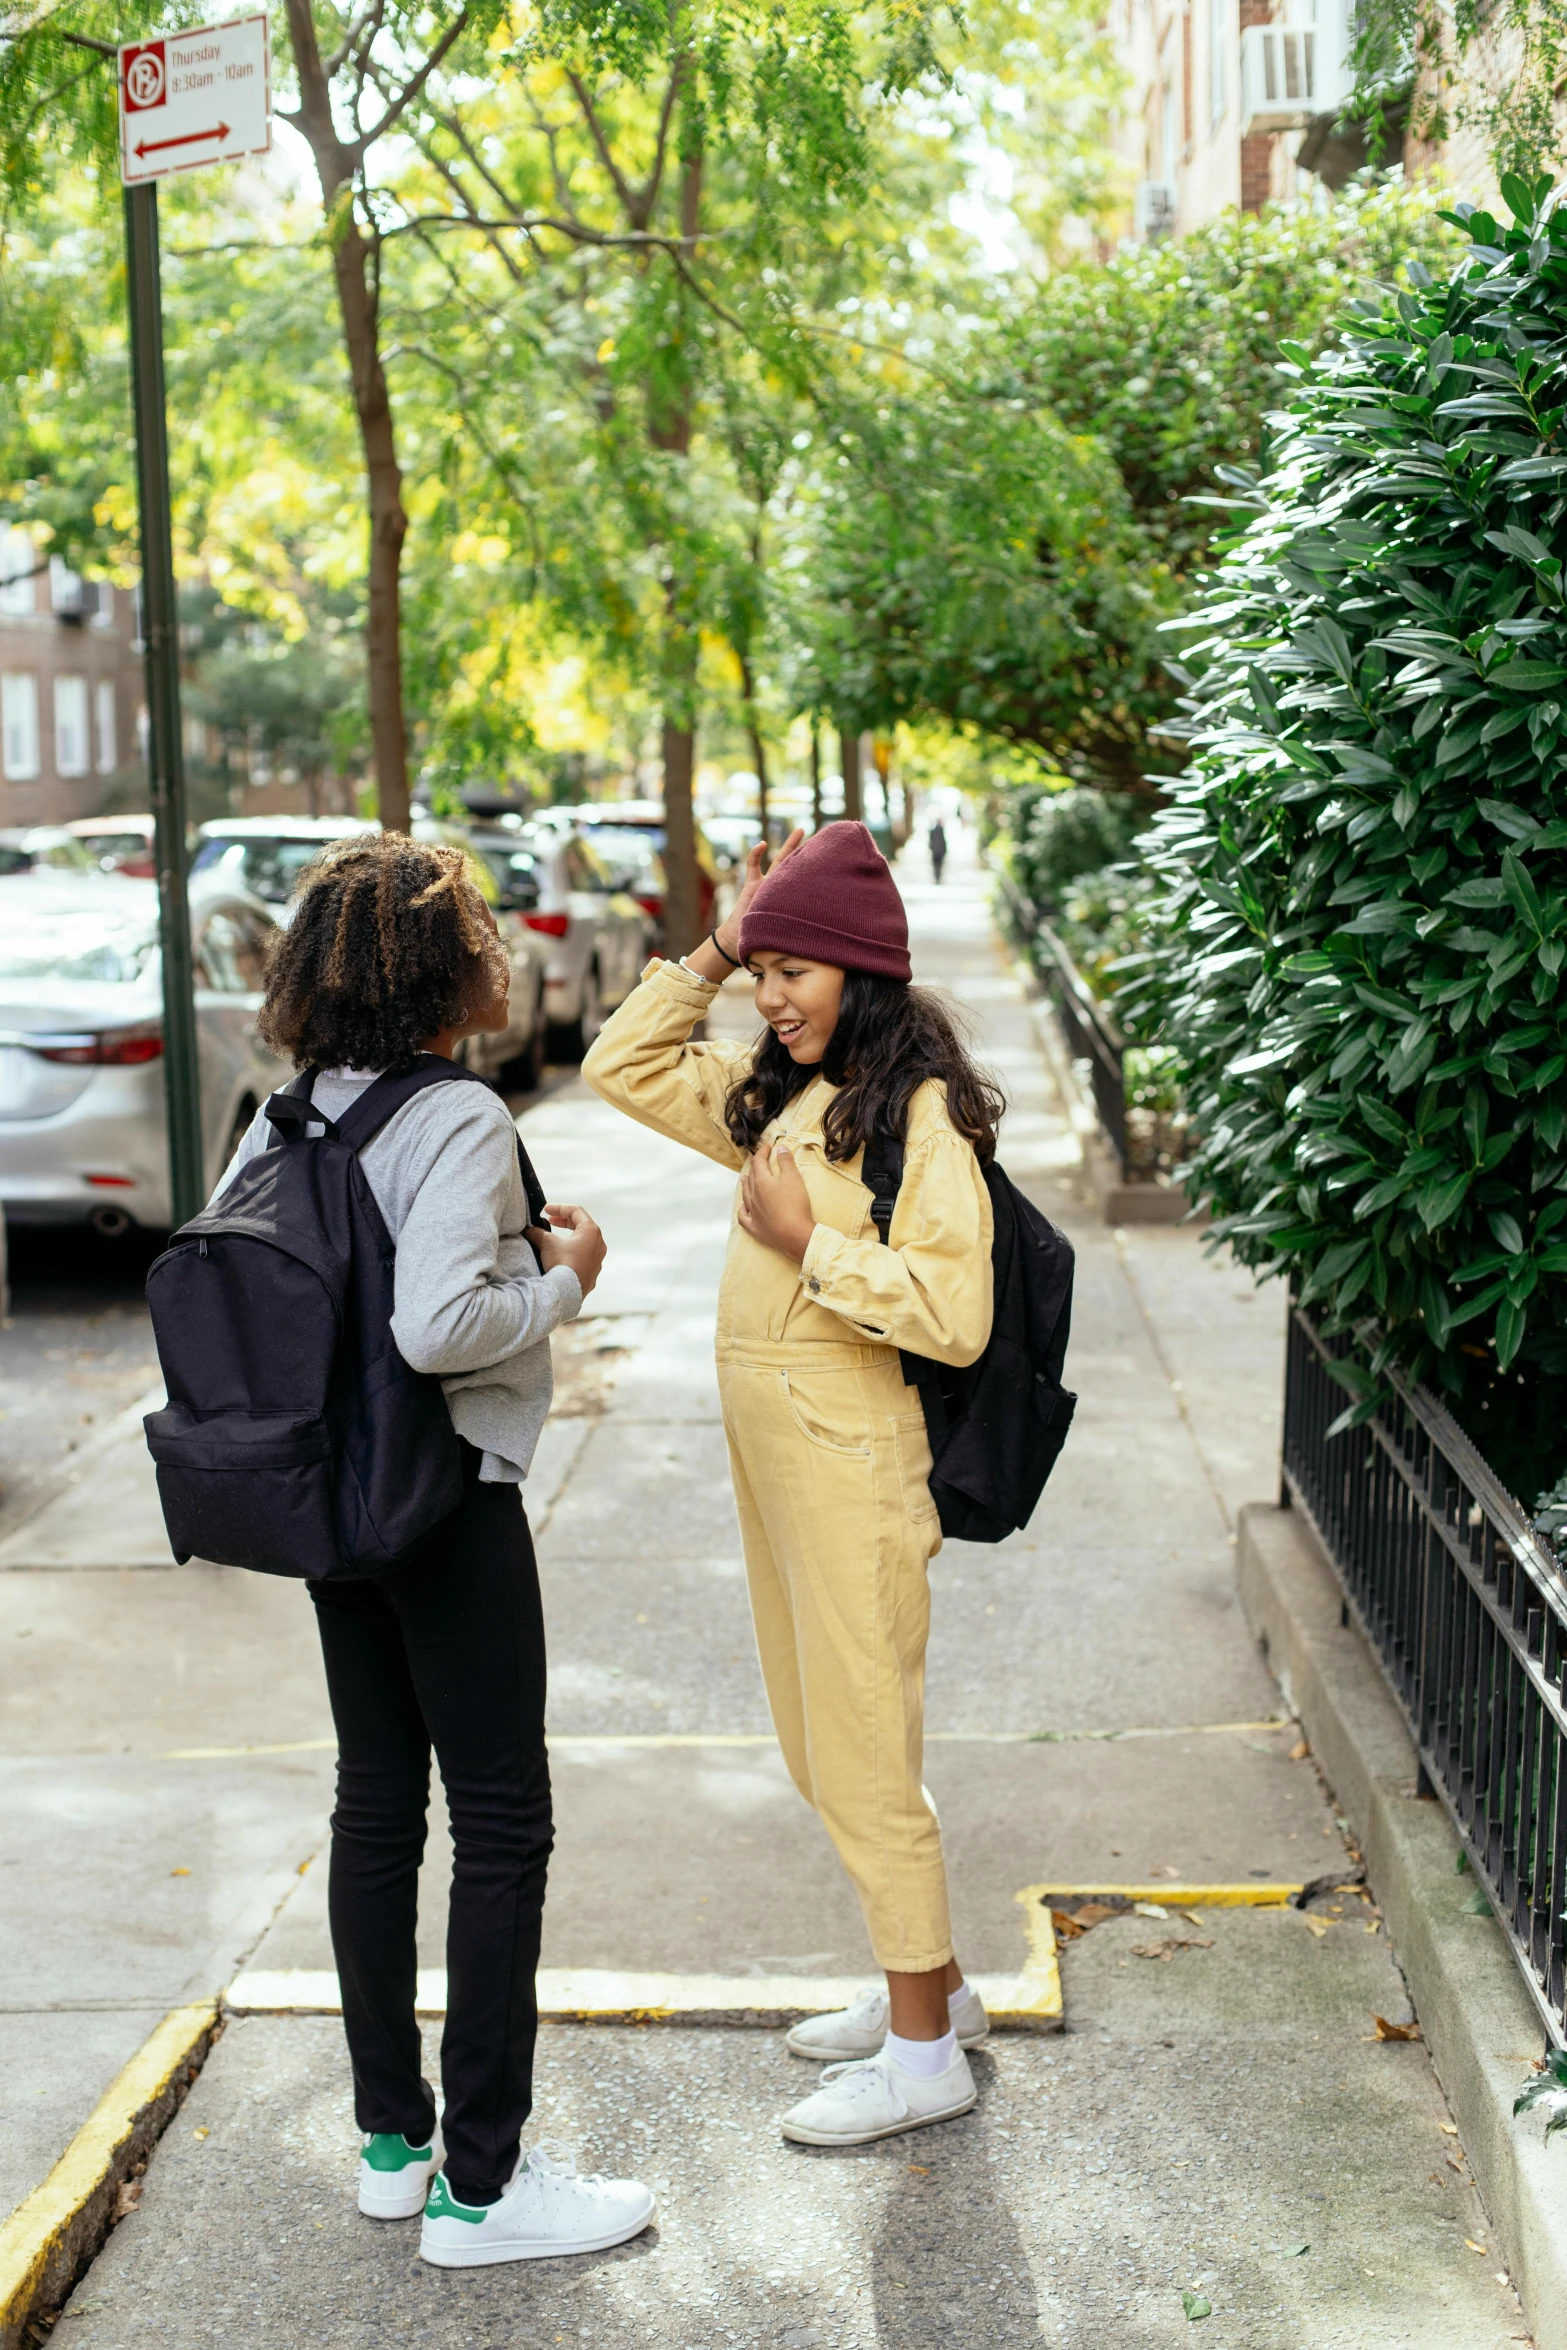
[[605, 351]]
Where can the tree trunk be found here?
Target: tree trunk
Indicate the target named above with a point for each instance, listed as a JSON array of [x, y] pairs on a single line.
[[816, 777], [682, 914], [359, 298], [355, 264], [849, 759], [758, 751], [672, 432]]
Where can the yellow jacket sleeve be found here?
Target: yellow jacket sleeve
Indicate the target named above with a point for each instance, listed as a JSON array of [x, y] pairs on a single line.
[[927, 1287], [643, 1061]]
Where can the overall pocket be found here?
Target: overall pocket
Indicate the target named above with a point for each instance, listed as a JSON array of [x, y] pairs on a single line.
[[827, 1409], [246, 1489]]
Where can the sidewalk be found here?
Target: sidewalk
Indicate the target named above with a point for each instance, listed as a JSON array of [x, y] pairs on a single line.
[[1217, 2116]]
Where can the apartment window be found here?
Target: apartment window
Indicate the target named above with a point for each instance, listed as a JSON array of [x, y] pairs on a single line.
[[19, 724], [72, 743], [108, 745], [1218, 30], [17, 558]]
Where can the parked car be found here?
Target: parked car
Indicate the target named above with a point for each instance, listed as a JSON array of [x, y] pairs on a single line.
[[82, 1132], [596, 935], [118, 844], [607, 824], [268, 855], [27, 848]]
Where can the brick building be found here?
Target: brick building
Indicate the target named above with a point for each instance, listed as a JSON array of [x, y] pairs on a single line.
[[1233, 103], [72, 697]]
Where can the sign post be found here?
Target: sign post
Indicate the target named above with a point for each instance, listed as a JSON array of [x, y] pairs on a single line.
[[186, 100]]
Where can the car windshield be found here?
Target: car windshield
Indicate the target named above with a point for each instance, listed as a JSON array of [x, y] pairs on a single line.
[[108, 943], [271, 868]]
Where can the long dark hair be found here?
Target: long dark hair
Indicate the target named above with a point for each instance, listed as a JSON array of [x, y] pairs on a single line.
[[889, 1038]]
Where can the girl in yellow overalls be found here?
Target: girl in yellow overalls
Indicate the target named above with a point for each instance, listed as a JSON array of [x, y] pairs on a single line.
[[827, 1443]]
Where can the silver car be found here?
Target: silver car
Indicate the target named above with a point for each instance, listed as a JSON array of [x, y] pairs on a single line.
[[82, 1133], [268, 855], [596, 936]]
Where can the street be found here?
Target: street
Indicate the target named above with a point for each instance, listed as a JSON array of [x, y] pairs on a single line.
[[1217, 2117]]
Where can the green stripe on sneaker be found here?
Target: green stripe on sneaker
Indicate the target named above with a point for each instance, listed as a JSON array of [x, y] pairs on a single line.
[[388, 2151], [443, 2204]]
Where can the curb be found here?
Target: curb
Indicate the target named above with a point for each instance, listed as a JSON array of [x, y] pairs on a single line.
[[52, 2235], [1117, 1201], [1477, 2018]]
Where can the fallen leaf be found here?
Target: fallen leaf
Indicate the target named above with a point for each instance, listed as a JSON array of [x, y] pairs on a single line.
[[1094, 1913], [1477, 1906], [1300, 1751], [1387, 2031], [179, 1872], [1456, 2163], [1168, 1948], [1195, 2306], [1066, 1926], [1473, 2246], [201, 2133], [1190, 1915], [1448, 2129], [1313, 1925], [1150, 1909], [127, 2198], [1294, 2251], [921, 2170]]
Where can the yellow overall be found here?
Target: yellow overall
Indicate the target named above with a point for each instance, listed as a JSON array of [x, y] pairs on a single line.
[[827, 1443]]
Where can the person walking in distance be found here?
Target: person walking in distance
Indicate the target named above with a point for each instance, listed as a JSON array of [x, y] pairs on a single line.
[[936, 839], [392, 958], [827, 1444]]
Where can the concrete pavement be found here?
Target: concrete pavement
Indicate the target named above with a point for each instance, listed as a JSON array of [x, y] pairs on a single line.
[[1217, 2117]]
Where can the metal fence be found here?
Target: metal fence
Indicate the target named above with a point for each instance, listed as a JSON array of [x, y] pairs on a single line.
[[1466, 1609]]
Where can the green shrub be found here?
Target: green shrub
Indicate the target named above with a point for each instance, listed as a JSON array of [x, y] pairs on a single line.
[[1057, 836], [1362, 882]]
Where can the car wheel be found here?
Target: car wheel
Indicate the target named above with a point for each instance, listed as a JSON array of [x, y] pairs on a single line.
[[570, 1042]]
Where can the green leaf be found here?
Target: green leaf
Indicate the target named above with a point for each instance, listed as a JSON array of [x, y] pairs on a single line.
[[1196, 2306], [1506, 1229], [1510, 1320]]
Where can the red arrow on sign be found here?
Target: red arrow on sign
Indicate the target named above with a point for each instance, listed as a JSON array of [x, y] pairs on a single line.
[[156, 146]]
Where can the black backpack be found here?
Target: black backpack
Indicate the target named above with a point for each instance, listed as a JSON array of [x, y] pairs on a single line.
[[996, 1429], [296, 1440]]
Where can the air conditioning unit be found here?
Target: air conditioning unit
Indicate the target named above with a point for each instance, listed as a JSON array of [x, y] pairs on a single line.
[[1154, 208], [1295, 69]]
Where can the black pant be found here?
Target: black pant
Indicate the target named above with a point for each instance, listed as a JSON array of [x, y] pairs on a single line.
[[449, 1651]]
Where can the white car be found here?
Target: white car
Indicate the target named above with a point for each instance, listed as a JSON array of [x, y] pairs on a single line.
[[595, 935], [83, 1137], [266, 855]]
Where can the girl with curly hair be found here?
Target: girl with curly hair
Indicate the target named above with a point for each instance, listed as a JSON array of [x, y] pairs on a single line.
[[392, 954], [827, 1443]]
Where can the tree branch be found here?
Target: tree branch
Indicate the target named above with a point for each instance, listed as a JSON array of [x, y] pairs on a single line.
[[411, 90], [628, 202]]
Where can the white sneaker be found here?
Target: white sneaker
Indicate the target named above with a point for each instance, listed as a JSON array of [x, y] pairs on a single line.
[[860, 2030], [877, 2099], [394, 2176], [546, 2210]]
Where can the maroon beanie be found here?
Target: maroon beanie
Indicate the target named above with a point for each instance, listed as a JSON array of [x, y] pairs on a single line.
[[835, 901]]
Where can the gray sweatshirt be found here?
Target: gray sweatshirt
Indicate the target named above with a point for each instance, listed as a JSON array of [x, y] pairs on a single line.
[[471, 1303]]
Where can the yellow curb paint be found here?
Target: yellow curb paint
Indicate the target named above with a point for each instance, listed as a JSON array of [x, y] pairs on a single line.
[[36, 2230], [1036, 2003], [1253, 1896], [1030, 2001], [653, 1738]]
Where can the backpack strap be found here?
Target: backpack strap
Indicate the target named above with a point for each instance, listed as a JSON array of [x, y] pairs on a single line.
[[364, 1119], [881, 1171], [292, 1112]]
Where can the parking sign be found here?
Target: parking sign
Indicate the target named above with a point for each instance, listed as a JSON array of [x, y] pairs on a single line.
[[189, 99]]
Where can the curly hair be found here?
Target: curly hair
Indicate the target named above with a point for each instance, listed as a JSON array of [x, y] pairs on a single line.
[[890, 1036], [388, 940]]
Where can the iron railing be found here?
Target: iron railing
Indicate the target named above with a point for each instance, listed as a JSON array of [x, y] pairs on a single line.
[[1466, 1610], [1091, 1032]]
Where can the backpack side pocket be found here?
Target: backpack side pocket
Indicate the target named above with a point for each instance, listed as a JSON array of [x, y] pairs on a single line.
[[246, 1489]]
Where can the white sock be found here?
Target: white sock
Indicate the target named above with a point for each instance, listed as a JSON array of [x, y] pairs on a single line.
[[956, 1998], [922, 2059]]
